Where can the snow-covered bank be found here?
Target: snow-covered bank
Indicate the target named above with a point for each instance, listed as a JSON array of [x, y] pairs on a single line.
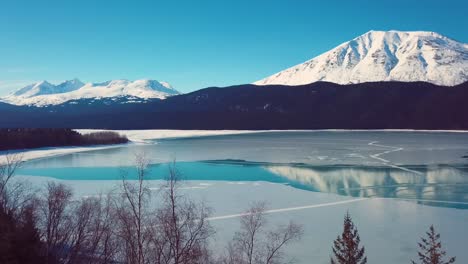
[[151, 134], [39, 153], [136, 136], [143, 136]]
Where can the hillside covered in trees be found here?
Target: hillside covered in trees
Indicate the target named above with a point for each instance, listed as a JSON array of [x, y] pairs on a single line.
[[320, 105], [25, 138]]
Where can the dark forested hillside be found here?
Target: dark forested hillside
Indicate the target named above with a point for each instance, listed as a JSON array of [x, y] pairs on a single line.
[[380, 105], [23, 138]]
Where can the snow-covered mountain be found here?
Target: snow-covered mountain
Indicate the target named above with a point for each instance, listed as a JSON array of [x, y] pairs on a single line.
[[44, 87], [384, 56], [45, 93]]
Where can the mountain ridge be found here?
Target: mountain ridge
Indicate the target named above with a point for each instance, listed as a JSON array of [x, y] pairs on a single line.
[[384, 56], [44, 93]]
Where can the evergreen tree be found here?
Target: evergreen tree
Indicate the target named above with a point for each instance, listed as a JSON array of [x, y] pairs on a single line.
[[431, 251], [346, 248]]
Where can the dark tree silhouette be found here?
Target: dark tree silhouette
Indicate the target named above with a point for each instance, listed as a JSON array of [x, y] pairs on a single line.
[[431, 251], [346, 248], [26, 138], [19, 237]]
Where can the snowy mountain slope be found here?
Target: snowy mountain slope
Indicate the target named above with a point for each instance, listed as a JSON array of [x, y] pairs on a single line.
[[44, 87], [384, 56], [44, 93]]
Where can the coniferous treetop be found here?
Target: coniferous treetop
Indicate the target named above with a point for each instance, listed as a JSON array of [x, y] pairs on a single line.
[[346, 248]]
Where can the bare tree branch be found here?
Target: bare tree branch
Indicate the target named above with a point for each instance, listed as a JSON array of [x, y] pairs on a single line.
[[254, 245], [8, 167]]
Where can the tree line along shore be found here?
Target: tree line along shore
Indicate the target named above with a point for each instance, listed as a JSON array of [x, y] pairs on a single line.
[[29, 138]]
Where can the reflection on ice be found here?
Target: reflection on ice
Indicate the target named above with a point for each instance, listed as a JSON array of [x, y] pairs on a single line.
[[328, 162], [431, 185], [361, 164], [436, 184]]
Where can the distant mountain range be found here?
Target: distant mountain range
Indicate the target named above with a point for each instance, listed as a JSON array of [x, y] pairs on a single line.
[[44, 93], [321, 105], [373, 57], [384, 56], [380, 80]]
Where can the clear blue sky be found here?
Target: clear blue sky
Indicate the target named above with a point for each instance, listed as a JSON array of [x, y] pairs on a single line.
[[194, 44]]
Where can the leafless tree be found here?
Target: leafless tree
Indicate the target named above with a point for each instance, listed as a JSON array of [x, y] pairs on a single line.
[[56, 221], [92, 240], [8, 168], [76, 231], [132, 213], [14, 196], [176, 232], [103, 241], [245, 241], [254, 244], [124, 228], [278, 238], [181, 232]]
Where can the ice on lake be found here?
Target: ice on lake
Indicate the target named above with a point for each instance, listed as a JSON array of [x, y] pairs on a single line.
[[315, 148], [409, 180]]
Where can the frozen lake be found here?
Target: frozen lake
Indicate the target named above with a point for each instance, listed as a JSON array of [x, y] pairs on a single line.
[[314, 148], [408, 180]]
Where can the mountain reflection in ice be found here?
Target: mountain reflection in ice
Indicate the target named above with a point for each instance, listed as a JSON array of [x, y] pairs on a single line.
[[435, 184], [431, 184]]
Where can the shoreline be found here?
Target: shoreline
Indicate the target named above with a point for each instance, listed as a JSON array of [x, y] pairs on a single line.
[[47, 152], [144, 135], [197, 132]]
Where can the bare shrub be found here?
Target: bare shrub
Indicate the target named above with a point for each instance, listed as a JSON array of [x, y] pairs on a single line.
[[75, 231], [92, 239], [132, 212], [181, 232], [255, 244], [13, 196], [56, 221]]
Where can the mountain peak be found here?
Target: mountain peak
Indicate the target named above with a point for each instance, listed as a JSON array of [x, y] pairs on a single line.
[[167, 85], [74, 80], [43, 82], [42, 87], [68, 86], [384, 56], [399, 32], [44, 93]]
